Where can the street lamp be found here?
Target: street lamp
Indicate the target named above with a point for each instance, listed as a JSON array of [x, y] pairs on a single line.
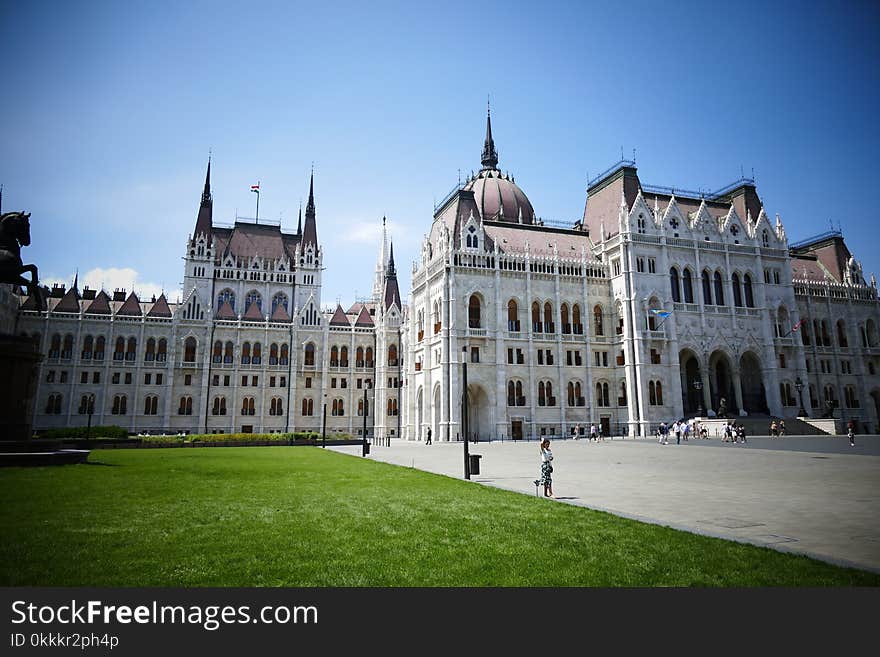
[[90, 410], [698, 386], [799, 386], [464, 417], [324, 424], [366, 448]]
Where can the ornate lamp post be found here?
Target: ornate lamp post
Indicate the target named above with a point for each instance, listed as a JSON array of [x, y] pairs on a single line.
[[799, 386], [324, 424], [464, 409], [698, 386], [90, 410]]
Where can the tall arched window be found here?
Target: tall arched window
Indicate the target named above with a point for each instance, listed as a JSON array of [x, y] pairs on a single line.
[[253, 297], [150, 353], [217, 352], [343, 357], [659, 388], [247, 406], [707, 289], [673, 282], [369, 357], [67, 349], [549, 327], [162, 350], [279, 299], [131, 350], [55, 347], [309, 355], [512, 316], [474, 312], [119, 349], [687, 286], [602, 394], [359, 357], [537, 327], [246, 353], [577, 326], [598, 327], [219, 407], [566, 324], [652, 394], [511, 394], [189, 350], [520, 398], [186, 405], [737, 292], [334, 356], [273, 354], [747, 288], [542, 399], [285, 354], [392, 355], [226, 295], [308, 407], [276, 406], [257, 356], [88, 347], [719, 290], [841, 334], [151, 405]]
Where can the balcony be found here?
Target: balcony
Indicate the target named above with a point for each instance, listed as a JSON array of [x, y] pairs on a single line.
[[437, 327], [477, 332]]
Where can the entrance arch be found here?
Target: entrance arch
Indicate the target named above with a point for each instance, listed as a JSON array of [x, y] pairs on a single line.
[[689, 364], [752, 383], [479, 414], [721, 381]]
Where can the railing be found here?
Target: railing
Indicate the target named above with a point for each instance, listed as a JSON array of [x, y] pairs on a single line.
[[477, 333], [614, 167]]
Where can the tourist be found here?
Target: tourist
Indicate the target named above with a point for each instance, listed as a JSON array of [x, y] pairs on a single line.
[[577, 431], [428, 440], [741, 433], [773, 429], [728, 433], [546, 468], [592, 432], [781, 428], [851, 432]]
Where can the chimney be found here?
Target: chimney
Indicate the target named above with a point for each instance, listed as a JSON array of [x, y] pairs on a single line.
[[88, 294], [119, 294], [57, 290]]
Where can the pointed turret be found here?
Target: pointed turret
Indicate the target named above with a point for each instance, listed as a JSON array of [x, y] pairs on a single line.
[[489, 159], [392, 291], [379, 278], [310, 233], [203, 222], [299, 220]]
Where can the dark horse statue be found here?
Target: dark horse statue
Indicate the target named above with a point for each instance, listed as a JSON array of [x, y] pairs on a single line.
[[15, 232]]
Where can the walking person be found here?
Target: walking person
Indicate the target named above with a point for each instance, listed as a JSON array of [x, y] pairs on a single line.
[[428, 440], [676, 429], [781, 428], [741, 433], [546, 468], [773, 429], [851, 433], [592, 432]]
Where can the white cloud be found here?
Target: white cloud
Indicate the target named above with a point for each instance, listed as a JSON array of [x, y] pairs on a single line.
[[110, 279]]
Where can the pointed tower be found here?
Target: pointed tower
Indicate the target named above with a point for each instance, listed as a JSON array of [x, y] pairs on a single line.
[[199, 257], [489, 158], [299, 220], [206, 208], [379, 278], [392, 291], [308, 256], [310, 234]]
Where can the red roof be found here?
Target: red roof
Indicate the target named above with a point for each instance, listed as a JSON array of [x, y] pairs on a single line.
[[69, 303], [131, 307], [364, 318], [100, 306], [226, 312], [339, 318], [253, 314], [280, 314], [160, 308]]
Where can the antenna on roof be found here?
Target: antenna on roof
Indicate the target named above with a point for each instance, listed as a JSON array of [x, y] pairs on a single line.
[[634, 155], [753, 173], [831, 223], [741, 173], [621, 152]]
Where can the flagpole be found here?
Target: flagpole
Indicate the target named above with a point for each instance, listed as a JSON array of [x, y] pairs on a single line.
[[258, 202]]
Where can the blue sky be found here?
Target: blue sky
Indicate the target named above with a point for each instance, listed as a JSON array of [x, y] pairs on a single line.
[[109, 110]]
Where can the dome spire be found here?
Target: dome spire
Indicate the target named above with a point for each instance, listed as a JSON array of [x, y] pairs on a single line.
[[490, 155]]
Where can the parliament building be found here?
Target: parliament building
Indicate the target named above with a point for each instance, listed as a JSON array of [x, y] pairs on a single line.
[[660, 303]]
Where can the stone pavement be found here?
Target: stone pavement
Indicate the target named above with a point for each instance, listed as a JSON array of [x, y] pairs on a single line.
[[811, 495]]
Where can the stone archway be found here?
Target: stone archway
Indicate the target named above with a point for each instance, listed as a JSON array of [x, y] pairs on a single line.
[[479, 414], [754, 396], [435, 432], [689, 365], [721, 381]]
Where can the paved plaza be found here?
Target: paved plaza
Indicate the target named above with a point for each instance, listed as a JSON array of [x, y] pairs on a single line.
[[813, 495]]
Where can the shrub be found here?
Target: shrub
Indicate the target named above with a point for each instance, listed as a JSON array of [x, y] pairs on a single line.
[[80, 433]]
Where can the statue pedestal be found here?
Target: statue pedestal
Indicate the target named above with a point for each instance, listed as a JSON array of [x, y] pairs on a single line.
[[19, 357]]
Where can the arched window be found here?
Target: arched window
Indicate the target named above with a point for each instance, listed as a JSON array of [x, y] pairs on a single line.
[[570, 393], [576, 320], [308, 407], [228, 351], [361, 405], [652, 394], [826, 335], [537, 327], [549, 327], [84, 403], [359, 357], [253, 297], [392, 355], [309, 355], [719, 290], [765, 238], [392, 407], [257, 356], [189, 350], [151, 405], [707, 289], [598, 327], [219, 407], [246, 353], [542, 399], [602, 397], [369, 357], [841, 334], [659, 389], [276, 406], [279, 299], [512, 316], [186, 405], [67, 349], [511, 394], [226, 295], [273, 354], [285, 355], [162, 350], [474, 312], [673, 282], [217, 352], [520, 398], [687, 286], [621, 399], [566, 324], [343, 357], [99, 348], [150, 353], [338, 409], [119, 349], [737, 292], [55, 347], [53, 404], [747, 288], [334, 356], [88, 347]]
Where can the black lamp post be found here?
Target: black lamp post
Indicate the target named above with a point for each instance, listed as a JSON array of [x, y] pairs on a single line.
[[324, 424], [698, 386], [366, 409], [90, 410], [464, 417], [799, 386]]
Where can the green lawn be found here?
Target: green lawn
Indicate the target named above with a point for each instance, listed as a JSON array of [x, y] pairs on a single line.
[[303, 516]]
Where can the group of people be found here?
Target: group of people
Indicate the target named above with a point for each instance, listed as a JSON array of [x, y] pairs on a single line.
[[682, 429], [734, 432], [595, 433], [777, 428]]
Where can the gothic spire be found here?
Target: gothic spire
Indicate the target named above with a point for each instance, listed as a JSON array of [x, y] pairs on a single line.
[[310, 232], [490, 155], [392, 290], [204, 219], [391, 273], [299, 220]]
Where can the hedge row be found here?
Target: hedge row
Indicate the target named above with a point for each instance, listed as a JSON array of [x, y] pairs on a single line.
[[243, 437], [84, 432]]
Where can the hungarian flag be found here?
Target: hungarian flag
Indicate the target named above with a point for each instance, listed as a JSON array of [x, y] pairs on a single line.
[[255, 188], [796, 326]]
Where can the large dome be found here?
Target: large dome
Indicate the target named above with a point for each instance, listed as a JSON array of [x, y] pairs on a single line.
[[496, 194], [499, 198]]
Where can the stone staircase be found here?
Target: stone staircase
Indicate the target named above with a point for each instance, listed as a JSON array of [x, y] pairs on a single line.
[[759, 425]]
